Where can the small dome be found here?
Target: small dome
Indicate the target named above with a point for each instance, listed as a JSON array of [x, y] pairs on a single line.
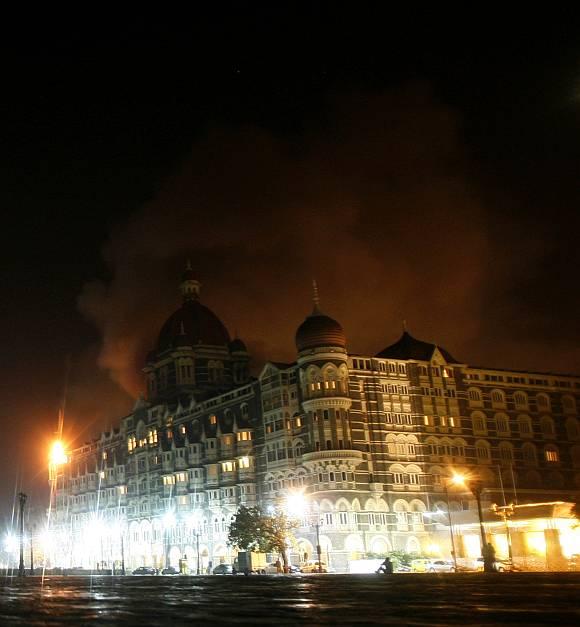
[[237, 346], [319, 330]]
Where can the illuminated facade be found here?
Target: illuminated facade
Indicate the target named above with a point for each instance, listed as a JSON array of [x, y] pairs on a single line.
[[369, 441]]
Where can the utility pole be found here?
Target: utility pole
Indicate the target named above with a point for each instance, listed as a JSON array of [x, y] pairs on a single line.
[[31, 551], [197, 542], [22, 501], [122, 554], [318, 547]]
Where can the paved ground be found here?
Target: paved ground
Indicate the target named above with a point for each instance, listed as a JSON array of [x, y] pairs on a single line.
[[404, 599]]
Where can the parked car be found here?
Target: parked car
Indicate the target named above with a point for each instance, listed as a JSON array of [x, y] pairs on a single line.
[[223, 569], [440, 566], [271, 569], [419, 565], [313, 566], [170, 570], [500, 566], [145, 570], [430, 565]]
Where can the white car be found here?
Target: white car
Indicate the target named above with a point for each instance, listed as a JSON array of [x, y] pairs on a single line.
[[272, 569], [440, 566]]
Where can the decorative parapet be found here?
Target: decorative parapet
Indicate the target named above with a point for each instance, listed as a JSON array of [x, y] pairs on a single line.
[[346, 456]]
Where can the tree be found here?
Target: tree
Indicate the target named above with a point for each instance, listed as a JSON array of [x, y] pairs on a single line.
[[252, 530]]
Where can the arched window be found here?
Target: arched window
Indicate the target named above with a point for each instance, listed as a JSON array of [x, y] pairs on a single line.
[[401, 508], [547, 427], [525, 426], [521, 400], [475, 398], [506, 452], [503, 424], [529, 454], [551, 453], [497, 398], [543, 401], [572, 428], [569, 404], [483, 452], [479, 423]]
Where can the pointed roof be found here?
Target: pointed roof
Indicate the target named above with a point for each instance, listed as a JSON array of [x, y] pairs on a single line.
[[319, 329], [409, 348]]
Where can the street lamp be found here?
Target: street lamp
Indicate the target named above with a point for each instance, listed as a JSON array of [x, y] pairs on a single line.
[[452, 481], [297, 505], [505, 512], [476, 487], [21, 500], [168, 523], [193, 523]]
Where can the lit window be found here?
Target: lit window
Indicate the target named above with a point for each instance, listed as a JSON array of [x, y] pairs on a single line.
[[212, 419], [182, 429], [552, 455], [244, 462], [227, 466]]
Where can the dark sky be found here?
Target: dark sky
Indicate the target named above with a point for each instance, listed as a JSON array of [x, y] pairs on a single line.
[[420, 167]]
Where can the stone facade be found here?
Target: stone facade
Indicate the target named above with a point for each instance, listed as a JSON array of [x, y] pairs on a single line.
[[368, 440]]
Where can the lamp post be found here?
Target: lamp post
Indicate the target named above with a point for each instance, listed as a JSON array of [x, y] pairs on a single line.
[[453, 552], [31, 529], [297, 505], [476, 487], [505, 512], [168, 523], [193, 523], [21, 500]]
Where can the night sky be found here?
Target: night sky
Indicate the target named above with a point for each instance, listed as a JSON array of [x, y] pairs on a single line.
[[418, 167]]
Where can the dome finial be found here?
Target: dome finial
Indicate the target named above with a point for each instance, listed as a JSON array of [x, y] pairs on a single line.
[[315, 297], [404, 325], [189, 286]]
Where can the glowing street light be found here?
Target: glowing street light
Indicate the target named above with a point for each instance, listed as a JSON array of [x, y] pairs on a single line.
[[57, 454], [297, 506]]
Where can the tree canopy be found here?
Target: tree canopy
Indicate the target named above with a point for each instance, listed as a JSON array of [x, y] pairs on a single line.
[[253, 530]]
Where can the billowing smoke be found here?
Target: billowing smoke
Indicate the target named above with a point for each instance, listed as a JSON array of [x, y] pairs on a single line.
[[379, 204]]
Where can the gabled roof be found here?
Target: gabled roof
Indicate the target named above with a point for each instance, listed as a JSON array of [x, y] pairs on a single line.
[[408, 348]]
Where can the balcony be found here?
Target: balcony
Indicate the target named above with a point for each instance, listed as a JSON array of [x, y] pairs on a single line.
[[348, 456], [330, 399]]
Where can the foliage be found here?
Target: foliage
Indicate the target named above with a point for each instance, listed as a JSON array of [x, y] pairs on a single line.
[[252, 530], [399, 558]]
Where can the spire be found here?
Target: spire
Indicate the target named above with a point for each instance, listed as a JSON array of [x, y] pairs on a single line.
[[315, 298], [189, 286]]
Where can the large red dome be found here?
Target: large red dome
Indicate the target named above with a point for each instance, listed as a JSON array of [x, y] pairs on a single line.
[[193, 324]]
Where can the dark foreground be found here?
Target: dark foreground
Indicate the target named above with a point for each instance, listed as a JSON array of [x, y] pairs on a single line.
[[405, 599]]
